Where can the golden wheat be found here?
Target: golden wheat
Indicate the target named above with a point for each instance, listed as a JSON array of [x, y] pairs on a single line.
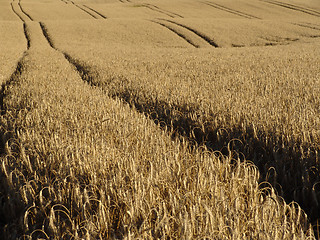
[[99, 119], [266, 97], [81, 165]]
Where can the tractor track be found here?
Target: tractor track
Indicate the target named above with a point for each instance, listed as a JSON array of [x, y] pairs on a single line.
[[84, 10], [293, 7], [229, 10], [45, 34], [296, 6], [18, 10], [201, 35], [16, 13], [93, 10], [165, 12], [178, 15], [82, 71], [88, 10], [159, 11], [306, 26], [25, 13], [13, 78], [28, 39], [26, 34], [177, 33]]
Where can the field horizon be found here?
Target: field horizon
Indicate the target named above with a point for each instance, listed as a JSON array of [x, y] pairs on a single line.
[[166, 119]]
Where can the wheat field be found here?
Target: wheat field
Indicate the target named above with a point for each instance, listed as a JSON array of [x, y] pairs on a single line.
[[144, 119]]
